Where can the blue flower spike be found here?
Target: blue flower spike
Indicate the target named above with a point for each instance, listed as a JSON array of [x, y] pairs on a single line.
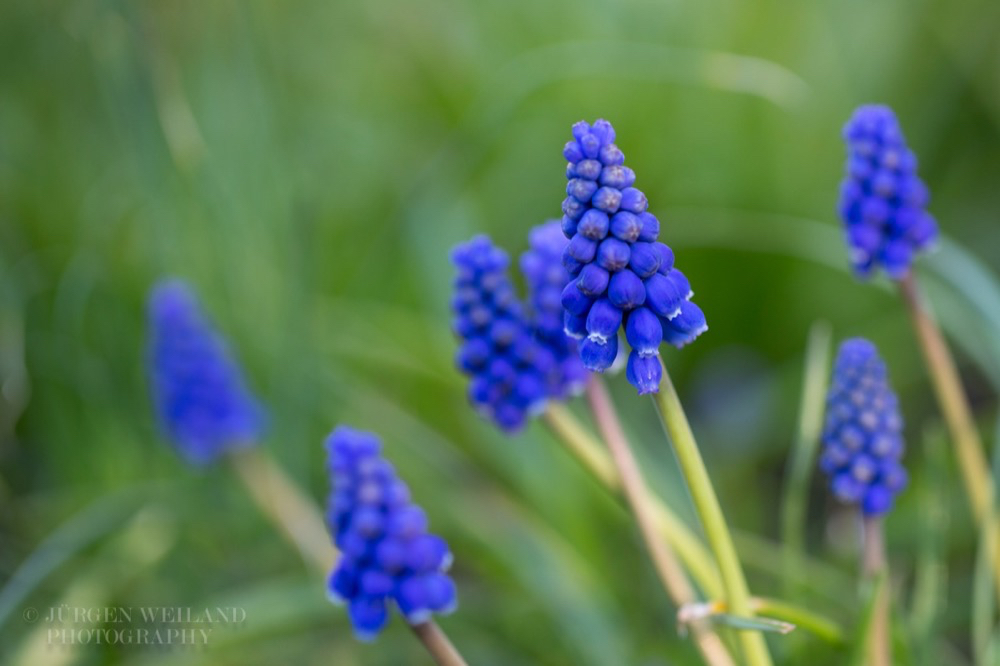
[[546, 278], [508, 367], [622, 276], [387, 555], [882, 200], [199, 394], [862, 438]]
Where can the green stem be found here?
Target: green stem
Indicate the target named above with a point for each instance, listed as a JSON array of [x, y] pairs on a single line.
[[639, 499], [954, 406], [282, 501], [589, 452], [873, 567], [703, 495], [437, 643]]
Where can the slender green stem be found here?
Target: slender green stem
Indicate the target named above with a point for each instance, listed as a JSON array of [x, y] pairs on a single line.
[[589, 452], [803, 457], [281, 500], [954, 406], [582, 445], [695, 557], [639, 499], [714, 523], [437, 643], [874, 566]]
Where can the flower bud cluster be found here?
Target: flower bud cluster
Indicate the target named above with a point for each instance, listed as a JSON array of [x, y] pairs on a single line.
[[387, 555], [882, 200], [622, 276], [862, 438]]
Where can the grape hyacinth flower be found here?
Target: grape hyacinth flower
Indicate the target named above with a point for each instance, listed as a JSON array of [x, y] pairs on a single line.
[[387, 555], [507, 365], [546, 278], [198, 390], [882, 200], [862, 438], [623, 277]]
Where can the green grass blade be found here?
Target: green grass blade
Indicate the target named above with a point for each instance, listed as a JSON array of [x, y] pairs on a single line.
[[803, 456]]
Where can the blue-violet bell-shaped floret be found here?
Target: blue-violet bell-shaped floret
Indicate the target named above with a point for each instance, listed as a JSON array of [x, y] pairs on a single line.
[[387, 555], [546, 278], [506, 364], [862, 438], [622, 276], [199, 394], [882, 200]]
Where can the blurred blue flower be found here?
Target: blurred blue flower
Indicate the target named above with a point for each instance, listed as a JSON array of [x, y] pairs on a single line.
[[198, 390], [622, 275], [546, 278], [882, 200], [507, 365], [862, 438], [387, 555]]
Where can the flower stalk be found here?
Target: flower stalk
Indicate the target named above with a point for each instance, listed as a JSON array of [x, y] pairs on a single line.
[[438, 645], [874, 566], [589, 452], [954, 404], [737, 593], [639, 499], [282, 502]]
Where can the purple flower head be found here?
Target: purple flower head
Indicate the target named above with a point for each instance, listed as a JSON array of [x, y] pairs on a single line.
[[387, 555], [506, 364], [621, 275], [546, 278], [882, 200], [862, 438], [199, 394]]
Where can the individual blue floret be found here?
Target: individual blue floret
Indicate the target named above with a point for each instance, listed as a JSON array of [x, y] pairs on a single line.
[[387, 556], [546, 278], [198, 390], [507, 365], [882, 200], [862, 438], [623, 277]]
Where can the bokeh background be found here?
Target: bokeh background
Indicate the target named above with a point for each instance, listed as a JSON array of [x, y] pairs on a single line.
[[308, 165]]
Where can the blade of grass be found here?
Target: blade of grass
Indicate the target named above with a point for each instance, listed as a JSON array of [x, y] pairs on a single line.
[[795, 498], [96, 520], [136, 548]]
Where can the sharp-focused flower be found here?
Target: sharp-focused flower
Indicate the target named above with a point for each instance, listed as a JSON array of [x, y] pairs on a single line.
[[387, 555], [882, 200], [862, 438], [546, 278], [507, 365], [623, 277], [198, 390]]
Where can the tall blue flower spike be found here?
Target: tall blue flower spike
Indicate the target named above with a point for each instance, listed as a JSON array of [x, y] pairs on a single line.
[[198, 390], [623, 277], [387, 555], [862, 438], [507, 365], [882, 200], [546, 278]]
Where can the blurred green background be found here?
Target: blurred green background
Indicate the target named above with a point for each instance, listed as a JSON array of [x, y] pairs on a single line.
[[308, 165]]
